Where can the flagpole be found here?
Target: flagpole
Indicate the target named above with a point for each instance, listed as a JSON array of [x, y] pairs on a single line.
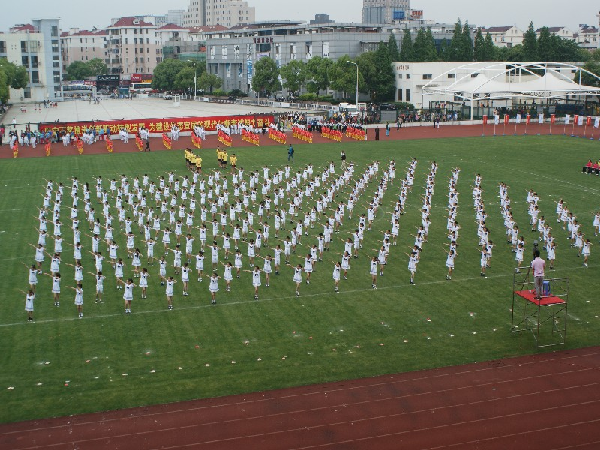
[[565, 127], [516, 121], [504, 129]]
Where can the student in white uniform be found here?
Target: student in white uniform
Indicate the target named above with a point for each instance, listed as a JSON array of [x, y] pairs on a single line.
[[213, 287], [32, 276], [99, 285], [450, 263], [128, 295], [255, 280], [79, 299], [228, 275], [373, 272], [170, 282], [185, 278], [55, 287], [29, 297], [144, 281]]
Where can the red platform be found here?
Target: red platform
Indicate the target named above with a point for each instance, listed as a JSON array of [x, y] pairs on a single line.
[[529, 295]]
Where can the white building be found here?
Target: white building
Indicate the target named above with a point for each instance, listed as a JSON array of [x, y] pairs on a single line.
[[505, 36], [228, 13], [562, 32], [35, 46], [132, 46], [587, 37], [83, 45]]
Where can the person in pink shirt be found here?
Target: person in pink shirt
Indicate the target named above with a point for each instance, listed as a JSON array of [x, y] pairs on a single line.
[[538, 265]]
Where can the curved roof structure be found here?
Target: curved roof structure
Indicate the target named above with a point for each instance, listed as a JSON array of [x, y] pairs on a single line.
[[502, 80]]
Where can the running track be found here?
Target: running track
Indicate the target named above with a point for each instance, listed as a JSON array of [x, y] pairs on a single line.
[[549, 401]]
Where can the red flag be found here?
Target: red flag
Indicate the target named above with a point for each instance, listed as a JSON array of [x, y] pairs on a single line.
[[576, 120], [485, 120], [506, 119], [528, 119], [552, 119], [588, 122]]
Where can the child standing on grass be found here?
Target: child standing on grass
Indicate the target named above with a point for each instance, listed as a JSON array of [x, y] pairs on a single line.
[[170, 282], [585, 251], [29, 298], [373, 272], [128, 295], [519, 257], [144, 281], [450, 263], [213, 287], [79, 299]]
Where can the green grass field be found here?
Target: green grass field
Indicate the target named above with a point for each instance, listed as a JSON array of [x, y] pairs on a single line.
[[62, 365]]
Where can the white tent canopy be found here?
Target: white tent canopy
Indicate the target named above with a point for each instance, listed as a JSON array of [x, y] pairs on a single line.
[[508, 80]]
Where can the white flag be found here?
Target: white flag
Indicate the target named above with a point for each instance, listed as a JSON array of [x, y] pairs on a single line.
[[580, 121], [567, 119], [518, 118], [496, 119], [541, 118], [597, 122]]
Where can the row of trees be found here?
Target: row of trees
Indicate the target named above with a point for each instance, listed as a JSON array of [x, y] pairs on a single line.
[[545, 47], [11, 76], [80, 70], [375, 77], [174, 74]]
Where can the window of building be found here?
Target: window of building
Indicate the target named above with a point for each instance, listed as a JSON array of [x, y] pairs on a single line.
[[54, 31], [34, 62], [451, 75], [399, 76], [427, 76], [2, 46], [408, 95], [24, 48], [25, 61], [35, 76], [408, 76], [27, 92], [55, 64], [399, 95]]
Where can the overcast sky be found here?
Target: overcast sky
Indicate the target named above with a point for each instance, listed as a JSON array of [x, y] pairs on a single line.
[[482, 12]]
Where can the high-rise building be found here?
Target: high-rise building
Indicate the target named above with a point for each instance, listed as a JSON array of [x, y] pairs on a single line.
[[385, 11], [132, 46], [228, 13], [35, 46]]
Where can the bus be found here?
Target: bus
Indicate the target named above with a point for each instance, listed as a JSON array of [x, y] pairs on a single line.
[[140, 88], [76, 90]]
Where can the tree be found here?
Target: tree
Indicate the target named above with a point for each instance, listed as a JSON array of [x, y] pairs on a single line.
[[430, 48], [266, 77], [96, 67], [586, 78], [184, 79], [377, 73], [3, 85], [454, 52], [545, 45], [11, 76], [444, 51], [165, 73], [318, 70], [343, 76], [77, 70], [210, 81], [466, 43], [489, 50], [294, 75], [530, 44], [479, 50], [393, 48], [406, 49]]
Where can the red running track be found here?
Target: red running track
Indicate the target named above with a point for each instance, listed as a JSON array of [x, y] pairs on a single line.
[[549, 401]]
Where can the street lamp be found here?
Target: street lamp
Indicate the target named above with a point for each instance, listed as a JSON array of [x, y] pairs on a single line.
[[195, 76], [352, 62]]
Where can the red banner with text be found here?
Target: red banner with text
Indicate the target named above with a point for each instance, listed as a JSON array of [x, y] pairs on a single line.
[[159, 125]]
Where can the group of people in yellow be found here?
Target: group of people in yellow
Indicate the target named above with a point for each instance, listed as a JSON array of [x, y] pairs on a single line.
[[194, 162], [222, 158]]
